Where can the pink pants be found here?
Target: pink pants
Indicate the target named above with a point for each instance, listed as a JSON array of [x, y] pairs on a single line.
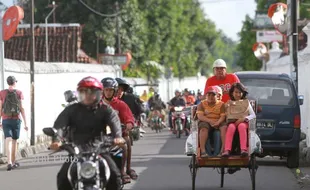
[[242, 129]]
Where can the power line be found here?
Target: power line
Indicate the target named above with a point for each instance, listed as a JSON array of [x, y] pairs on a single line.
[[219, 1], [98, 13]]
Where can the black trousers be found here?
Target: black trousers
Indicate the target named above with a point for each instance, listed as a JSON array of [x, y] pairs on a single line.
[[114, 183]]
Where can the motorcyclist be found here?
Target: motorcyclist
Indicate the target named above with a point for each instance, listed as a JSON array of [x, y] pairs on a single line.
[[190, 99], [136, 108], [134, 103], [157, 106], [199, 97], [155, 103], [83, 122], [176, 101], [110, 87]]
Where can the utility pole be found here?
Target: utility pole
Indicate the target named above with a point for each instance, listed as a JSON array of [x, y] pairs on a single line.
[[118, 40], [32, 60], [293, 31]]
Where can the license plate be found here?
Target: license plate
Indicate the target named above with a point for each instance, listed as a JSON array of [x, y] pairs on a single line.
[[265, 124]]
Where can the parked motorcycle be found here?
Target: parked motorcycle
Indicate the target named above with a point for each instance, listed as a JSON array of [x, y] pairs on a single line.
[[88, 161], [179, 121]]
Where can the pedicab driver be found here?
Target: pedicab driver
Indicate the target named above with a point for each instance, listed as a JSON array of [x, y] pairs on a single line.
[[221, 78]]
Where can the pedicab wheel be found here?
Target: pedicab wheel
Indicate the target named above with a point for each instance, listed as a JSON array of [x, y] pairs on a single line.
[[193, 167], [253, 169], [222, 176]]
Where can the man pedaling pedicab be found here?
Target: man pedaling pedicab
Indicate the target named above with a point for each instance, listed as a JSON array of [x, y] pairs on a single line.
[[211, 116], [221, 78], [110, 86]]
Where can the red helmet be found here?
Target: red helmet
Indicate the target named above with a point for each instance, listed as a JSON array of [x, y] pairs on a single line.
[[90, 82]]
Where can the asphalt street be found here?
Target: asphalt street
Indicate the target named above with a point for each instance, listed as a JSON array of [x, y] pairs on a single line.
[[160, 164]]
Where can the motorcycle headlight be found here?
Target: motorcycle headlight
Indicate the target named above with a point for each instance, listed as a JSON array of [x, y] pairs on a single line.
[[88, 169]]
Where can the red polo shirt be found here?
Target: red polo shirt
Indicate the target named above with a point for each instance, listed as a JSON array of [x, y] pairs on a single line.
[[225, 84]]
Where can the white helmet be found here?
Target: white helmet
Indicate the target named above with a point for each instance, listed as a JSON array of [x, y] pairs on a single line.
[[219, 63]]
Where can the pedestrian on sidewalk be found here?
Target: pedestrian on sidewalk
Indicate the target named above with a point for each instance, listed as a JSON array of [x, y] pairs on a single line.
[[11, 107]]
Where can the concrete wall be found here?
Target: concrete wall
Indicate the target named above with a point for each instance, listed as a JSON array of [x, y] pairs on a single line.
[[52, 79]]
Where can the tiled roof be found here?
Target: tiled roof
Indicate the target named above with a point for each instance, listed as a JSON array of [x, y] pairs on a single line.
[[63, 43]]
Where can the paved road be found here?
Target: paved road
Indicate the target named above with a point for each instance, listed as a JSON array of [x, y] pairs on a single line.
[[161, 165]]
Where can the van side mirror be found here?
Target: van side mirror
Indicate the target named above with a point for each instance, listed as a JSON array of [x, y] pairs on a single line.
[[301, 99]]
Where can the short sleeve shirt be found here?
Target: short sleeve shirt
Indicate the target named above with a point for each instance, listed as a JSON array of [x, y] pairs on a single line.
[[225, 84]]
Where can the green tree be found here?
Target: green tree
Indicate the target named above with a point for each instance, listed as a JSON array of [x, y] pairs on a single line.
[[153, 30], [247, 60]]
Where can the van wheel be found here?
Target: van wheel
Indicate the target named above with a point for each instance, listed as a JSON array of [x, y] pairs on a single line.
[[293, 159]]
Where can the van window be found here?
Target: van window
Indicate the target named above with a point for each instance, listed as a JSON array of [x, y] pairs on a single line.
[[270, 91]]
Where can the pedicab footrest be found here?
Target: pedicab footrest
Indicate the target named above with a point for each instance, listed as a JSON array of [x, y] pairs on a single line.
[[232, 161]]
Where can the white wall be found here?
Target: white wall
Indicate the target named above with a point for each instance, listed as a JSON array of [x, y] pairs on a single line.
[[283, 65], [52, 79]]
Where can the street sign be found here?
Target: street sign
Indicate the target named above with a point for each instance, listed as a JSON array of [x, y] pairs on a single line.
[[262, 21], [108, 59], [268, 36]]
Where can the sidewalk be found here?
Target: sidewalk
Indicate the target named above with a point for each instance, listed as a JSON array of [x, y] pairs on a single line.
[[27, 152], [303, 177]]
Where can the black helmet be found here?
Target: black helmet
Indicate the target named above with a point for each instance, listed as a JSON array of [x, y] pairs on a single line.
[[123, 82], [70, 96], [109, 82], [130, 90], [199, 92]]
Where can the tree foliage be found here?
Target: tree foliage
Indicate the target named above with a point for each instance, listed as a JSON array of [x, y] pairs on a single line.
[[173, 35]]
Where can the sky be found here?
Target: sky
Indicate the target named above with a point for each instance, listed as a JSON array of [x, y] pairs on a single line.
[[226, 14], [7, 2]]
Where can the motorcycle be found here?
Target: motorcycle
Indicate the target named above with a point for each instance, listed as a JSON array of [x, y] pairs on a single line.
[[179, 121], [156, 122], [87, 162]]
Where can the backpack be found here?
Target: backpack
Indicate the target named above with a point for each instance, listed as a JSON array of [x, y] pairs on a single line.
[[11, 105]]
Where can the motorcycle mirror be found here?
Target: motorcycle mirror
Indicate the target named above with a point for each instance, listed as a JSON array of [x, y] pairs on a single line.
[[278, 14], [49, 131]]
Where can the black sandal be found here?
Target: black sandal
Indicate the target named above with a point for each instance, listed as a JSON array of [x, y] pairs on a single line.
[[132, 173], [126, 179]]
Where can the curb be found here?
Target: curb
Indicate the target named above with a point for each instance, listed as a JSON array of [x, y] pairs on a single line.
[[302, 179], [27, 152]]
